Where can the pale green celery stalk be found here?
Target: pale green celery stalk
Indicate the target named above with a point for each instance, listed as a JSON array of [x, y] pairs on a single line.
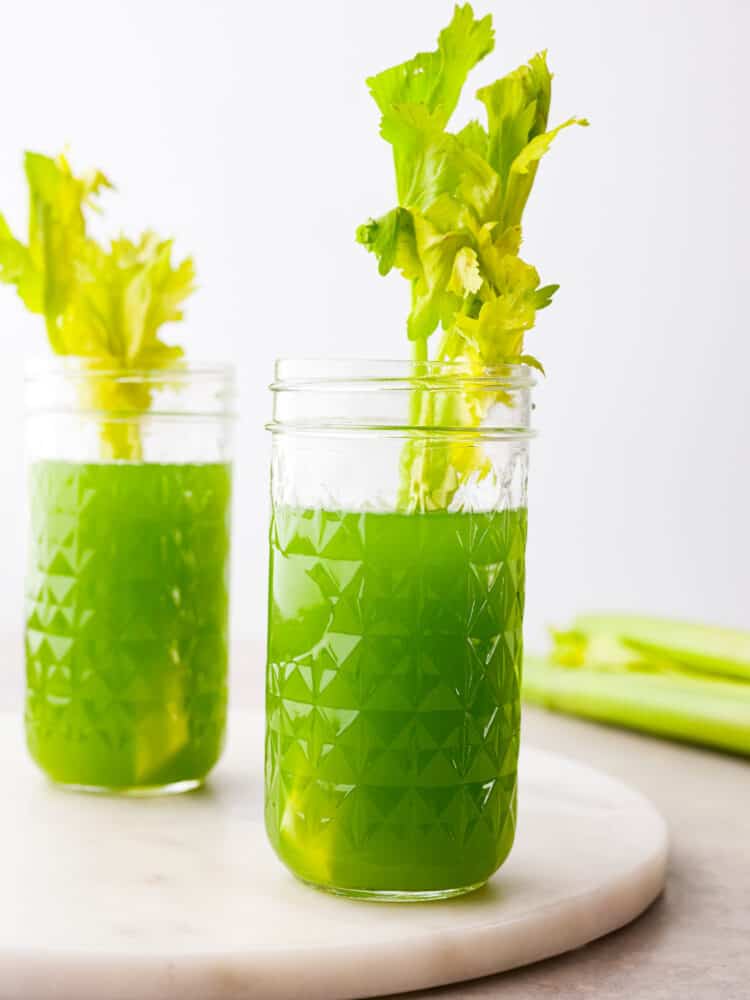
[[417, 396], [707, 649], [414, 451], [676, 705], [121, 441]]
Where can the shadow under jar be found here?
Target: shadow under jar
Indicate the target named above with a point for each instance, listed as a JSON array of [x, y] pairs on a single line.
[[127, 584], [397, 547]]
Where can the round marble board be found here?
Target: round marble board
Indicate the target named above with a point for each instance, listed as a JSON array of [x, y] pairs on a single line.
[[143, 899]]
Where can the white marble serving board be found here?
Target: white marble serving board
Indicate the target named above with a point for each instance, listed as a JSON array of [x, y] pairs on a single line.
[[146, 899]]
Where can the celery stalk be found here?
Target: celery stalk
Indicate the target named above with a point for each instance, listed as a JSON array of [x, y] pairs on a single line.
[[105, 303], [455, 236], [704, 648], [687, 707]]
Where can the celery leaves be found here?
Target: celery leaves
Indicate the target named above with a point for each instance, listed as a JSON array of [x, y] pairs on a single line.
[[104, 303]]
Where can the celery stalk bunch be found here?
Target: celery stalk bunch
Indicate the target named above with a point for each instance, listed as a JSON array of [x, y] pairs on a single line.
[[455, 234], [105, 303], [677, 680]]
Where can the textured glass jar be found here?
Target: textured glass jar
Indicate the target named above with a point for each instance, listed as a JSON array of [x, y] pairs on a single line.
[[129, 478], [396, 597]]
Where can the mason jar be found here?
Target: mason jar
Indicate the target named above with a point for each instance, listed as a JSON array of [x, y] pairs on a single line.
[[127, 590], [397, 544]]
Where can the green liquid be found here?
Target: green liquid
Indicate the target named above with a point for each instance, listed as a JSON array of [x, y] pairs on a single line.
[[126, 623], [393, 709]]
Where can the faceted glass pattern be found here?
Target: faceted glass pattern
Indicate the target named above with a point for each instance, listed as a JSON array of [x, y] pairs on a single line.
[[126, 621], [393, 708]]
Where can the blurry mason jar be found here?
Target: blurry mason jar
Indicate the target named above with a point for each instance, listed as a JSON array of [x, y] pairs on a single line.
[[129, 480], [397, 547]]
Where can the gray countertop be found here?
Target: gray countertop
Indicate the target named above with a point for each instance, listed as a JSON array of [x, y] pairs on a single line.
[[694, 942]]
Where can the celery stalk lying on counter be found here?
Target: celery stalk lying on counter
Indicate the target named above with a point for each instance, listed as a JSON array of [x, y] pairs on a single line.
[[681, 681]]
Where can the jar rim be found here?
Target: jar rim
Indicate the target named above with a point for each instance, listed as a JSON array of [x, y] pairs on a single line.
[[336, 396], [390, 373], [74, 366], [72, 385]]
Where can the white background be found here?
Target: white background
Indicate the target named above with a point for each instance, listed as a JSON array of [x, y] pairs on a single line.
[[245, 130]]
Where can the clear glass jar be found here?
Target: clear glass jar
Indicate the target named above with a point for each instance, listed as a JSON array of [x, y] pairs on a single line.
[[127, 595], [397, 547]]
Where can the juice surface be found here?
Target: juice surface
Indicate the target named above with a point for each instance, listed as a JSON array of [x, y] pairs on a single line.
[[126, 621], [393, 709]]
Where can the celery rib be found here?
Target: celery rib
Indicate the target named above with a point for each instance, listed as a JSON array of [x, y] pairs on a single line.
[[691, 708]]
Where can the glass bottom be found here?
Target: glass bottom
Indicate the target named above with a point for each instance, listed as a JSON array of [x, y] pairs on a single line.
[[136, 792], [391, 896]]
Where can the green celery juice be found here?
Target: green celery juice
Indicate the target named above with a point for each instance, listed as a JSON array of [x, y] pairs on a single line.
[[126, 622], [394, 660]]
